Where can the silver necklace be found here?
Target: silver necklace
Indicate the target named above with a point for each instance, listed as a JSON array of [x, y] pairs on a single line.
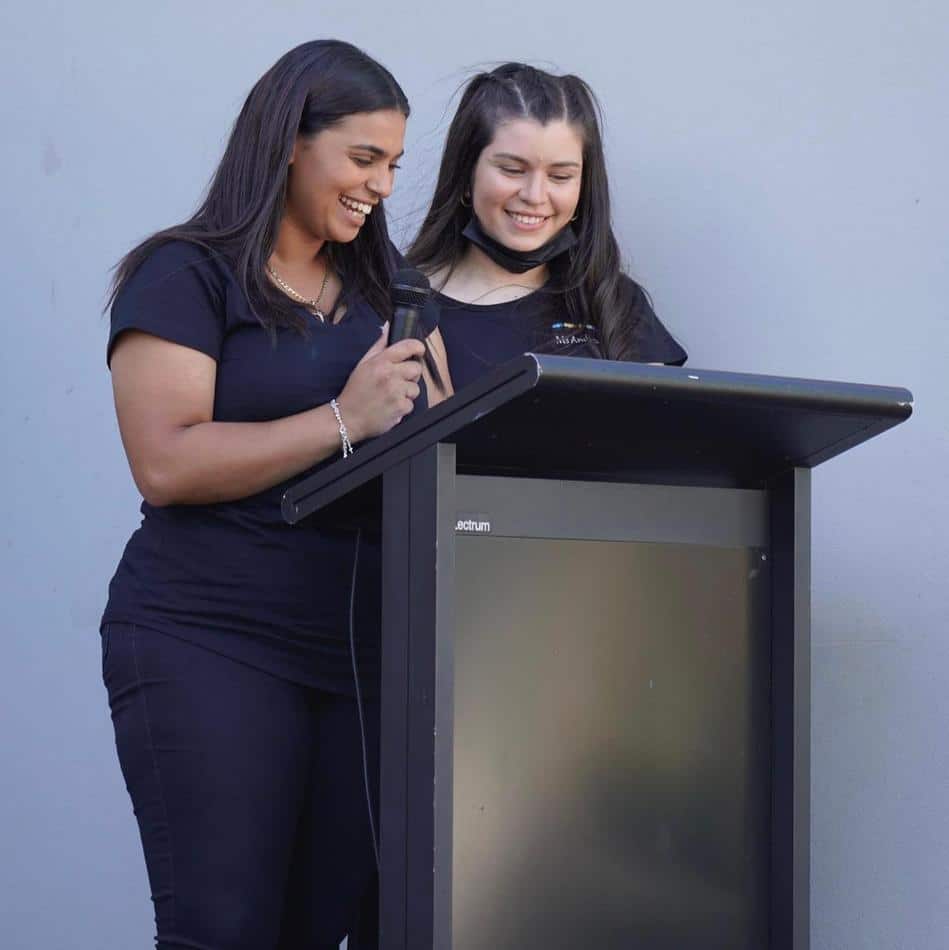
[[311, 304], [494, 290]]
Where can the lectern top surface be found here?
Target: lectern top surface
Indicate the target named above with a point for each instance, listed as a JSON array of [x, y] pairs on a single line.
[[562, 417]]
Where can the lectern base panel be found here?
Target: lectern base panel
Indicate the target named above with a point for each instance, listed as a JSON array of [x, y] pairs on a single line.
[[611, 765]]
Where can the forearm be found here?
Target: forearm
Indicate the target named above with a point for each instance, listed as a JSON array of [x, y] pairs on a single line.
[[212, 462], [164, 400]]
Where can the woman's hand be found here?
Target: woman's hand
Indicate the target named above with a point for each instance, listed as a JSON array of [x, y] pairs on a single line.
[[382, 389], [164, 397]]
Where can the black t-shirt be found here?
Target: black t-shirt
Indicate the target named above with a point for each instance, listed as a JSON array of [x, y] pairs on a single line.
[[233, 576], [480, 336]]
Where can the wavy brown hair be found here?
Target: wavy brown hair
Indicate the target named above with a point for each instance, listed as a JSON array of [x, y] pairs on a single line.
[[307, 90], [591, 277]]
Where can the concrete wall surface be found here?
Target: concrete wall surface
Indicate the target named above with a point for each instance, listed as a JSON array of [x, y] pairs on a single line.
[[779, 185]]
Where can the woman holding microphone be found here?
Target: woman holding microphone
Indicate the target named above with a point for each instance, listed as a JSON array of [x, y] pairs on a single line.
[[518, 239], [247, 346]]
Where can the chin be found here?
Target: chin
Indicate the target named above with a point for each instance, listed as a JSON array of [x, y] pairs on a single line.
[[526, 242], [345, 234], [519, 241]]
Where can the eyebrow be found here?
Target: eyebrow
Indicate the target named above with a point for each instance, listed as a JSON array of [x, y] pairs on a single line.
[[375, 150], [510, 156]]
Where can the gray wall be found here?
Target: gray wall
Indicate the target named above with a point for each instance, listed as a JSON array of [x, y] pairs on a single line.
[[779, 183]]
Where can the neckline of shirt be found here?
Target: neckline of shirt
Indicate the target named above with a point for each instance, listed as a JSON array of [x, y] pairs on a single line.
[[463, 305]]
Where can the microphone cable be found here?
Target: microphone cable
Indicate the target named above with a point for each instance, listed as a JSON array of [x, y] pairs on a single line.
[[359, 708]]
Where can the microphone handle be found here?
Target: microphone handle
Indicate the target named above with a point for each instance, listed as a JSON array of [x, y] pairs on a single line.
[[404, 325]]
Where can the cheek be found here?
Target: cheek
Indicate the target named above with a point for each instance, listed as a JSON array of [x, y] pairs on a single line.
[[303, 192], [322, 183], [569, 200], [328, 186], [300, 197], [489, 190]]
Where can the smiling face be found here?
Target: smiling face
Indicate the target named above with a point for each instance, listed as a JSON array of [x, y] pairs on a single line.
[[338, 176], [526, 182]]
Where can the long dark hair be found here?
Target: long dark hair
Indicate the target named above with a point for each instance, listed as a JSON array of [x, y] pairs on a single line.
[[307, 90], [591, 279]]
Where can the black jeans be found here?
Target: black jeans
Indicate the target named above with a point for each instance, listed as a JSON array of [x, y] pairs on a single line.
[[249, 796]]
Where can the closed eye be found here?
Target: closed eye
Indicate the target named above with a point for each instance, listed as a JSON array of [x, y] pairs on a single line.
[[363, 162]]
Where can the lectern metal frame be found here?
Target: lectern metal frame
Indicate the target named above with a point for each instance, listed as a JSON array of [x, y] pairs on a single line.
[[696, 429]]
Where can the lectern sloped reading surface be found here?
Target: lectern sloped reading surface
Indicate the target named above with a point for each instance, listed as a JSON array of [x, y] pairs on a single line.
[[596, 653]]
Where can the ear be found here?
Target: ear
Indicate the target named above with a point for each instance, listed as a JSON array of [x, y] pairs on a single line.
[[296, 149]]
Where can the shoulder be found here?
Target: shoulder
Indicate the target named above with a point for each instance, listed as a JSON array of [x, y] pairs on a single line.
[[634, 295], [653, 342], [177, 292], [178, 262]]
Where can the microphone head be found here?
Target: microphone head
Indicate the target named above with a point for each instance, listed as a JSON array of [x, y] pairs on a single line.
[[409, 288]]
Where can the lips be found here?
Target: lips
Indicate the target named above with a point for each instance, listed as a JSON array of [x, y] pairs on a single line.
[[526, 220], [352, 204]]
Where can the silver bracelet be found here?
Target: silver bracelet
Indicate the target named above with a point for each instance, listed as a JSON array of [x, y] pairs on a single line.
[[343, 431]]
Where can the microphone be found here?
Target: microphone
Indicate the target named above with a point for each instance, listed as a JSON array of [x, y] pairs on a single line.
[[410, 291]]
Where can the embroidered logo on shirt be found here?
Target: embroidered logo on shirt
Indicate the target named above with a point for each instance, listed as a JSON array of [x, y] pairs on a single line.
[[574, 334]]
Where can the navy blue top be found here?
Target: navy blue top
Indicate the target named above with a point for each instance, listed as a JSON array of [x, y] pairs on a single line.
[[233, 576], [479, 336]]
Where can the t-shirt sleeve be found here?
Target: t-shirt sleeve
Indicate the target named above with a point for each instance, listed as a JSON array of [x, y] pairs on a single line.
[[177, 294], [654, 343]]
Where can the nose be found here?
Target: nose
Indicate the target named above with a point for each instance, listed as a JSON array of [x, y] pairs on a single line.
[[381, 182], [534, 188]]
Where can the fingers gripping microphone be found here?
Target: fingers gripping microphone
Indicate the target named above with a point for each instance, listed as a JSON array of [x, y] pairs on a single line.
[[409, 291]]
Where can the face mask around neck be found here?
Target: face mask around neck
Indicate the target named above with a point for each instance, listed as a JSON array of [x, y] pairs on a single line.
[[519, 262]]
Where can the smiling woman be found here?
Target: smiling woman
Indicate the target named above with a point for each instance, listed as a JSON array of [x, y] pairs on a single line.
[[339, 175], [518, 238], [335, 180], [247, 346], [526, 184]]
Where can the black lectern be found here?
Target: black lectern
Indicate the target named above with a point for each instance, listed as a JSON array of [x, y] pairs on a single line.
[[596, 653]]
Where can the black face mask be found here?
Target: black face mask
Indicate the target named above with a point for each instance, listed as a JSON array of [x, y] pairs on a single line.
[[519, 262]]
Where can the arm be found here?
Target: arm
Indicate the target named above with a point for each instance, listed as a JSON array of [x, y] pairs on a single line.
[[164, 399]]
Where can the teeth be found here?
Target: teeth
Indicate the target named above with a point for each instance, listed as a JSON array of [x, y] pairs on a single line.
[[526, 218], [355, 205]]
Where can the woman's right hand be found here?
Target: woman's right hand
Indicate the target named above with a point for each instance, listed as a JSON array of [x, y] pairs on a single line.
[[383, 387], [179, 454]]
